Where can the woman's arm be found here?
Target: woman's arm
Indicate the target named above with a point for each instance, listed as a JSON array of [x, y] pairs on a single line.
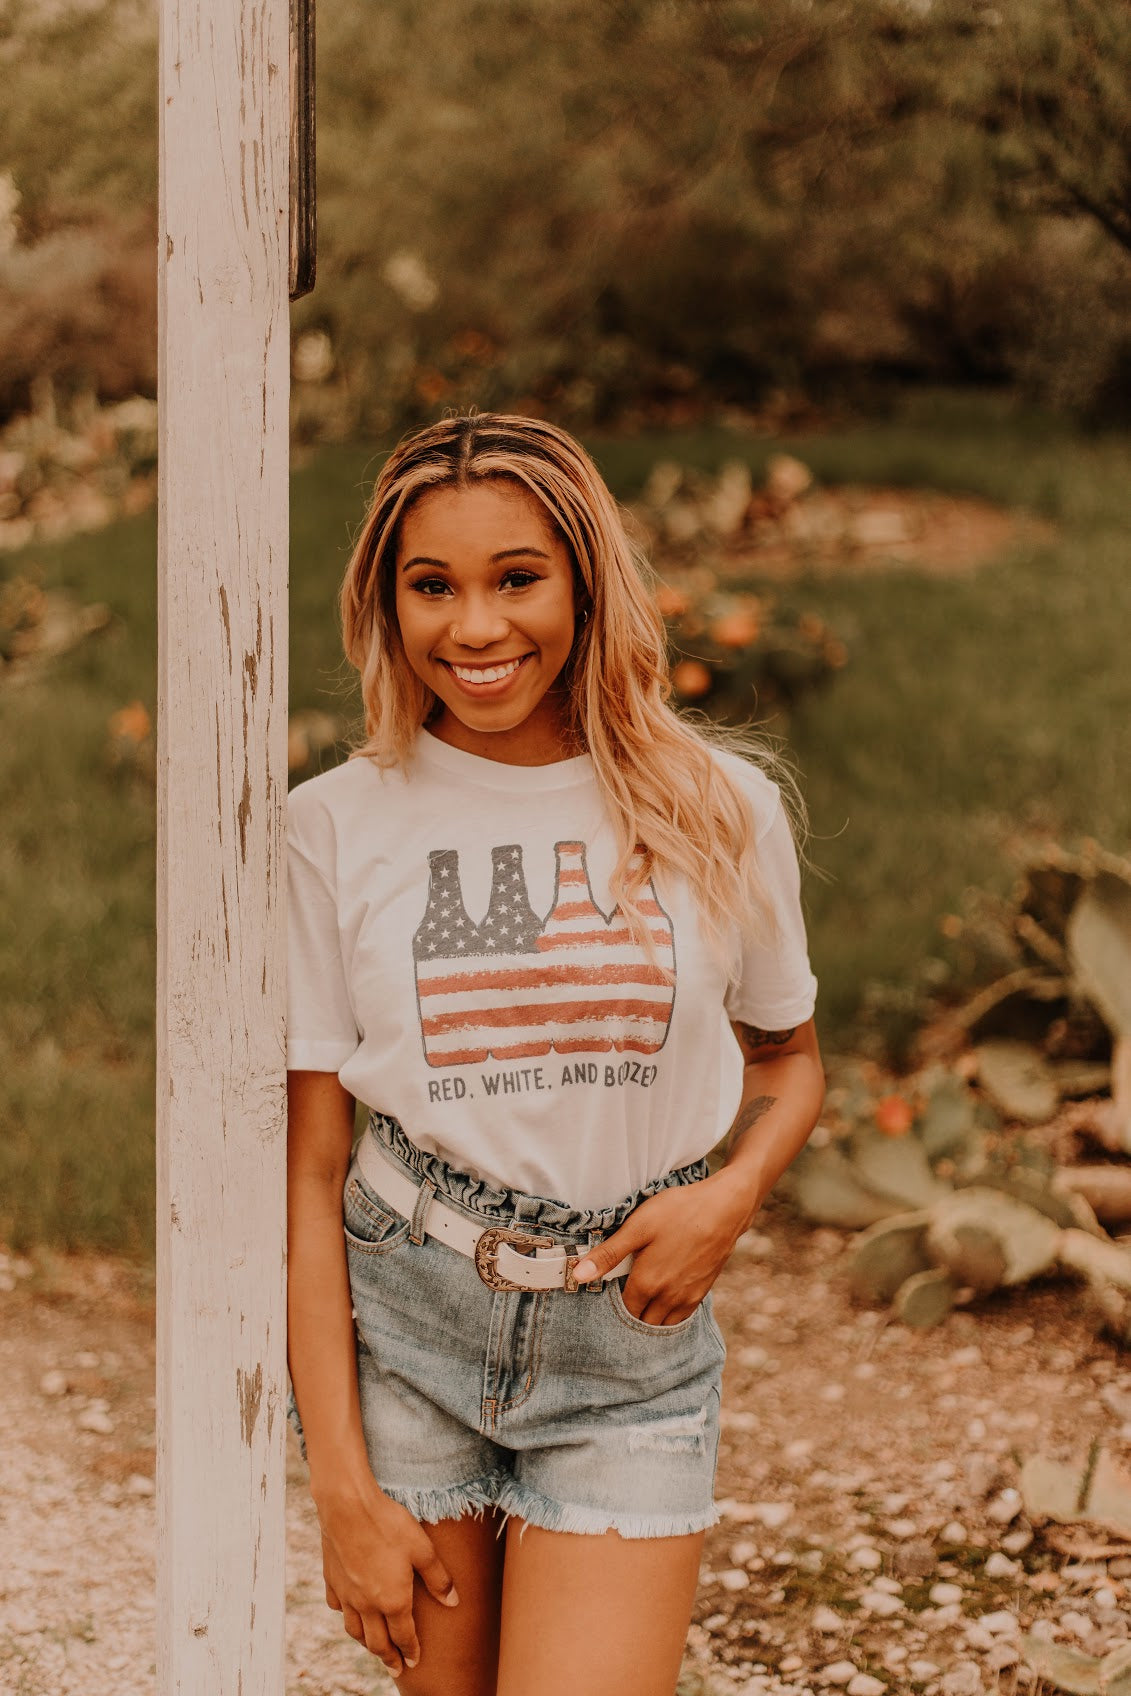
[[371, 1546], [321, 1349], [783, 1091], [683, 1237]]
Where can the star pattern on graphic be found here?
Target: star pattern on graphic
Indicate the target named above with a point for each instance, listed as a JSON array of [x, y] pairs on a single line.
[[509, 924]]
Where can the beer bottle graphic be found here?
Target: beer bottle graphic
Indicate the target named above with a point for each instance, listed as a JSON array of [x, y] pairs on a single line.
[[444, 937], [613, 997]]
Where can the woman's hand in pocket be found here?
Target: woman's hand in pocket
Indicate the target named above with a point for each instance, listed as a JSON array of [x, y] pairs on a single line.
[[680, 1239], [371, 1548]]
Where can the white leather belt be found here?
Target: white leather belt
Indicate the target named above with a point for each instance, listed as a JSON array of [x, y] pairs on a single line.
[[497, 1250]]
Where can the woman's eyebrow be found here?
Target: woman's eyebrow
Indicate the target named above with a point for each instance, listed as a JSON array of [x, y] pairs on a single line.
[[506, 553]]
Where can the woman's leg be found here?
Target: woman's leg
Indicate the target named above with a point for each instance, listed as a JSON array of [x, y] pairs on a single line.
[[605, 1615], [459, 1647]]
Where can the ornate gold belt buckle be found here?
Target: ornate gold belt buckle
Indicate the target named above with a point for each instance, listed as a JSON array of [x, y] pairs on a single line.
[[487, 1251]]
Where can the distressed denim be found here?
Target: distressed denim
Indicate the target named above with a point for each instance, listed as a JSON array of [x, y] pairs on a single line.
[[558, 1407]]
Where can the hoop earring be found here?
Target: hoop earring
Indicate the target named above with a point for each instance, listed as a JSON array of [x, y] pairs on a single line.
[[585, 615]]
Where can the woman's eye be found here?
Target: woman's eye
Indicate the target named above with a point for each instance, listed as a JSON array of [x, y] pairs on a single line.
[[430, 586], [520, 578]]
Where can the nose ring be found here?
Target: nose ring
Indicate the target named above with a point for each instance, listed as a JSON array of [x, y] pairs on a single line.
[[454, 634]]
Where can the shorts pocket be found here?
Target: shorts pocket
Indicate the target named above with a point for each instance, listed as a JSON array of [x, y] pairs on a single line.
[[615, 1288], [371, 1227]]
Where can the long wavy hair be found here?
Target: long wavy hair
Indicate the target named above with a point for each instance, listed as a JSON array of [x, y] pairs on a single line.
[[675, 809]]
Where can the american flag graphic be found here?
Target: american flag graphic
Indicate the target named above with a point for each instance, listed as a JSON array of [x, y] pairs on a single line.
[[516, 986]]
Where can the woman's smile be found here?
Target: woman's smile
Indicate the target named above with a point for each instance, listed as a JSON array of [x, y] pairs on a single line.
[[478, 677]]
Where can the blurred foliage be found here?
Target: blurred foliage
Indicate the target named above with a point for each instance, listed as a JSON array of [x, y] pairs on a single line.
[[622, 209], [965, 724]]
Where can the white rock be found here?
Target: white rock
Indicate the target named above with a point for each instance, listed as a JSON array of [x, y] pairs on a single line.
[[1045, 1630], [53, 1383], [1077, 1623], [976, 1636], [773, 1515], [800, 1449], [736, 1419], [1000, 1566], [953, 1532], [942, 1594], [902, 1528], [1015, 1541], [971, 1355], [878, 1603], [891, 1585], [864, 1559], [1104, 1598], [922, 1671], [1001, 1623], [826, 1621], [753, 1356], [86, 1361], [137, 1484], [734, 1579], [95, 1419], [790, 1663], [963, 1680], [1002, 1655], [1005, 1507], [865, 1685], [832, 1392], [741, 1512], [864, 1369], [837, 1672]]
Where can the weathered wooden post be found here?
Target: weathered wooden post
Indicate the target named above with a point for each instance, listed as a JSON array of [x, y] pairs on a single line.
[[225, 271]]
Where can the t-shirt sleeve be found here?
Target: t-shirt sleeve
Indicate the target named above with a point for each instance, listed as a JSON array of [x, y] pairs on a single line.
[[322, 1031], [775, 988]]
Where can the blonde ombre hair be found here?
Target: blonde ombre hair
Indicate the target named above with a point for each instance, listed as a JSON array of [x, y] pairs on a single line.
[[667, 796]]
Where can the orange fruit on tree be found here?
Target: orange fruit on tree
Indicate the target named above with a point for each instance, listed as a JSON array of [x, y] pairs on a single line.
[[670, 602], [735, 629], [894, 1115], [691, 679]]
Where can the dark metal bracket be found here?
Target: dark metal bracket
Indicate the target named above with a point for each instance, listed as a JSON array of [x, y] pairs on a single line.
[[303, 232]]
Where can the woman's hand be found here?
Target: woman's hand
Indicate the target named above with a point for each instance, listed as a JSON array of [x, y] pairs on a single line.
[[371, 1547], [681, 1239]]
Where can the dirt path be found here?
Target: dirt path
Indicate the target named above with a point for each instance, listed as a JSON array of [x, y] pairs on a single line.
[[863, 1466]]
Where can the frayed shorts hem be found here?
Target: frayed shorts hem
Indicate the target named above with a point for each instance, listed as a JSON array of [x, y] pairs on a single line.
[[515, 1500]]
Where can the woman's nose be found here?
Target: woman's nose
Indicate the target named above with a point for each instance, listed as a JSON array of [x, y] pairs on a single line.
[[478, 625]]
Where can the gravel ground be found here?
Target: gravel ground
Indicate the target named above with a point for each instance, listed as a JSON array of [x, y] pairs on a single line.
[[872, 1537]]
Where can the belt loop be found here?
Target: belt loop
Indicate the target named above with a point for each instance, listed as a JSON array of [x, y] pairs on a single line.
[[419, 1213]]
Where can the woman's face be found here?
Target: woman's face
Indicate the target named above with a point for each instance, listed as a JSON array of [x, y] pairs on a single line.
[[486, 608]]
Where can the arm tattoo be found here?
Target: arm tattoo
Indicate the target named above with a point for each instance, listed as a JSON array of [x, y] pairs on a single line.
[[748, 1116], [751, 1039], [751, 1113]]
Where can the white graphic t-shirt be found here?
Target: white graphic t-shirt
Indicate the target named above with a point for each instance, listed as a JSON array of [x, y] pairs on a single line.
[[456, 957]]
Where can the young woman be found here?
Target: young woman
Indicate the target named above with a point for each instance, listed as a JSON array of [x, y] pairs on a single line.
[[550, 934]]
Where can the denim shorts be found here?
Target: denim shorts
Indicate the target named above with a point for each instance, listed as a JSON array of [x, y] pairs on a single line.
[[559, 1407]]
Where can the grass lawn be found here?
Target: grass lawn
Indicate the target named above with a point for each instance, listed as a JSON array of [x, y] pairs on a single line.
[[977, 714]]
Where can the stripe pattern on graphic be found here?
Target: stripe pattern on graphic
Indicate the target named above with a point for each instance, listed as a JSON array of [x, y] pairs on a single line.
[[515, 986]]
